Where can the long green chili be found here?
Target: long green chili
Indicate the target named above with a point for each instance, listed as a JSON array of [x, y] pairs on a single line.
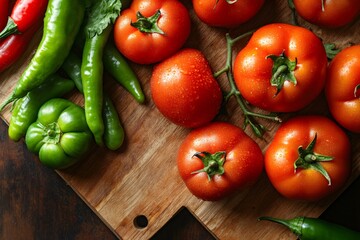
[[113, 131], [62, 22], [72, 67], [119, 68], [92, 80], [316, 229]]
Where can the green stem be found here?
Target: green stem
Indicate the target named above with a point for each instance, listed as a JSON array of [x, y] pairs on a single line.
[[293, 13], [148, 25], [357, 87], [257, 128], [295, 224], [331, 50]]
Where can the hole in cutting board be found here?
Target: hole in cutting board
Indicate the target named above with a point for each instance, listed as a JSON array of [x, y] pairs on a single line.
[[183, 225], [141, 221]]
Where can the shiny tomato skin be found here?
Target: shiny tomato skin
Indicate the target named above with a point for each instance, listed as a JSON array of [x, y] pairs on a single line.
[[148, 48], [335, 14], [224, 14], [242, 167], [253, 68], [308, 184], [342, 79], [184, 90]]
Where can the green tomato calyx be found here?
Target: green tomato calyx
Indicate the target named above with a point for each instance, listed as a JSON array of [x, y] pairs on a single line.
[[309, 159], [213, 163], [52, 133], [282, 70], [148, 25]]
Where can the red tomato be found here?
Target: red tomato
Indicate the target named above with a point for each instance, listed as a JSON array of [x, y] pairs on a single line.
[[217, 160], [184, 90], [161, 29], [282, 68], [342, 88], [226, 13], [328, 13], [319, 138]]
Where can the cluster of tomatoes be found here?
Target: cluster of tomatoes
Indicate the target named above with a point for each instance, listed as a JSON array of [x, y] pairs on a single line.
[[283, 68]]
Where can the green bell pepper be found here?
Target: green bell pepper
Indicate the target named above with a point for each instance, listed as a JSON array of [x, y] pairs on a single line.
[[60, 135]]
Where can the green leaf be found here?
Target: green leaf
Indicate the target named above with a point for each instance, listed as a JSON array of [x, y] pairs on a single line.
[[100, 15]]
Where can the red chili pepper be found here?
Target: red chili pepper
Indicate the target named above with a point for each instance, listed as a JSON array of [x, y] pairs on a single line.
[[4, 12], [25, 14], [14, 46]]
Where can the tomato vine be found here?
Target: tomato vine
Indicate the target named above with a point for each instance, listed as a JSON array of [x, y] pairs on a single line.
[[249, 115]]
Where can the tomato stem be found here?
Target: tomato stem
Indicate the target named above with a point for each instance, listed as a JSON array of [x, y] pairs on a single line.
[[256, 127], [283, 70], [213, 163], [308, 159], [148, 25]]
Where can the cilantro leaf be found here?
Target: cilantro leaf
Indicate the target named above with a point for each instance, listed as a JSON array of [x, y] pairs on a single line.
[[100, 14]]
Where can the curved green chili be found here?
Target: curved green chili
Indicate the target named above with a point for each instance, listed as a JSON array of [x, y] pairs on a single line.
[[113, 131], [72, 67], [315, 229], [119, 68], [62, 22], [26, 108], [92, 80]]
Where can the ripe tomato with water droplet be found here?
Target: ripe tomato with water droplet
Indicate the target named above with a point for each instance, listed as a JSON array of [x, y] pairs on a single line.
[[184, 89]]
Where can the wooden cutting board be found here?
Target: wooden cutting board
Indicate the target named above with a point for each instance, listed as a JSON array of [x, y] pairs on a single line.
[[141, 178]]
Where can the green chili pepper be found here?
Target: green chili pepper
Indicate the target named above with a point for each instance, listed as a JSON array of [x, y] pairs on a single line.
[[72, 67], [92, 75], [315, 229], [26, 108], [118, 67], [113, 130], [60, 134], [62, 22]]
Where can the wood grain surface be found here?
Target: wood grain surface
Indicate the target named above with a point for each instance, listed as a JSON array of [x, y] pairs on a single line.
[[141, 178], [35, 203]]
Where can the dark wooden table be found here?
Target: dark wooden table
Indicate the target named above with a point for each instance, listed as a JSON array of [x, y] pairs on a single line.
[[35, 203]]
